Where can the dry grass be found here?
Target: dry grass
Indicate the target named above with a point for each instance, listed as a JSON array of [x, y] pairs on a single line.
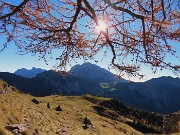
[[17, 108]]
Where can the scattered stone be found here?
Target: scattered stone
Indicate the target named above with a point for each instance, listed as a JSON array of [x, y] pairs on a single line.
[[58, 108], [63, 129], [34, 100], [74, 108], [18, 128]]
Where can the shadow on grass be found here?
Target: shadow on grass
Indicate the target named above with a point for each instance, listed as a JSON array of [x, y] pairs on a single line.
[[137, 126], [142, 128]]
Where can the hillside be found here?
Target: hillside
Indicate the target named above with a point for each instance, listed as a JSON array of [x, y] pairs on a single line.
[[156, 95], [23, 114], [18, 108], [50, 82]]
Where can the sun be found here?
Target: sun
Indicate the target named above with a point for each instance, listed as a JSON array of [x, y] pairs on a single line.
[[102, 27]]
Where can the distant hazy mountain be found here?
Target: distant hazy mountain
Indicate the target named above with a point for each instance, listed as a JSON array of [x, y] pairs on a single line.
[[94, 72], [29, 73], [158, 94]]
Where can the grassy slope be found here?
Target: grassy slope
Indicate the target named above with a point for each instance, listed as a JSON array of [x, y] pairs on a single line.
[[17, 108]]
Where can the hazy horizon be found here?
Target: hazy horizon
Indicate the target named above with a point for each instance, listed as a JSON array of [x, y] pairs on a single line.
[[48, 67]]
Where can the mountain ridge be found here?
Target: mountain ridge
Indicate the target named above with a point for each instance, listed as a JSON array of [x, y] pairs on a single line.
[[92, 71], [29, 73], [157, 95]]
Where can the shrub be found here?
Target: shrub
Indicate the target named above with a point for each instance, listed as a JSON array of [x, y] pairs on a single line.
[[58, 108], [48, 105], [34, 100]]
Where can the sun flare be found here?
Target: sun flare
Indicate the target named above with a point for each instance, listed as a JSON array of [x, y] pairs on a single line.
[[102, 26]]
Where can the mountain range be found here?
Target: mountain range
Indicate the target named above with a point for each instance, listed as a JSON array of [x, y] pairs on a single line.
[[29, 73], [86, 70], [158, 95]]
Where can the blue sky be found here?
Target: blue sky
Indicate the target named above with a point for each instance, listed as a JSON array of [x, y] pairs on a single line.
[[11, 61]]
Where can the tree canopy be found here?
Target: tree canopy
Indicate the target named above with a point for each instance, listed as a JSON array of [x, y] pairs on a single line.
[[135, 32]]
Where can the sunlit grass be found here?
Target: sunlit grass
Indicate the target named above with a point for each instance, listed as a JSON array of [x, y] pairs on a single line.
[[17, 108]]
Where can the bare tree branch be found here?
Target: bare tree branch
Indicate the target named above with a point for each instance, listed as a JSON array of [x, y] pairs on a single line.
[[135, 32], [15, 10]]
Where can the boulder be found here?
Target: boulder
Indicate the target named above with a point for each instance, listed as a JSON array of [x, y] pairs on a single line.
[[18, 128]]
